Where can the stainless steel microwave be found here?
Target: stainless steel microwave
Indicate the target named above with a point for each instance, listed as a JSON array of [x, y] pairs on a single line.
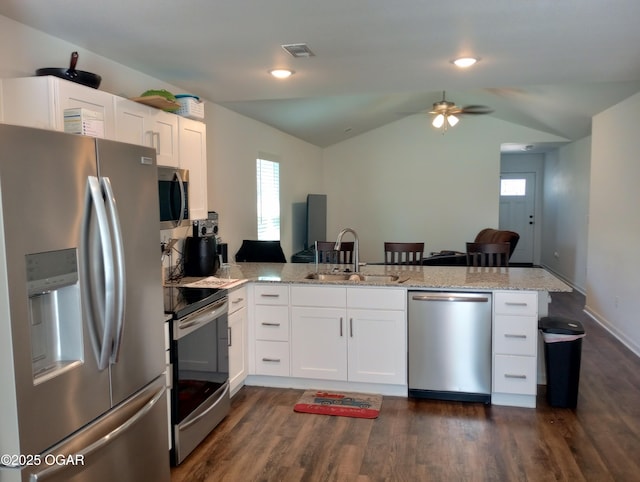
[[173, 190]]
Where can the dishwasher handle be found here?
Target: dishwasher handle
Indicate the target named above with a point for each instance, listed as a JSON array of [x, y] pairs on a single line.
[[451, 297]]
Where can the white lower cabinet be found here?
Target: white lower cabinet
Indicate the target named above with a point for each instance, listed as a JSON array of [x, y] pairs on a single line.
[[377, 346], [238, 355], [271, 329], [515, 342], [336, 335], [319, 343]]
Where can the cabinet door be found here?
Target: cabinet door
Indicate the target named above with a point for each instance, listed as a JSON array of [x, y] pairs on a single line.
[[318, 343], [377, 346], [132, 122], [237, 349], [71, 95], [163, 128], [192, 138]]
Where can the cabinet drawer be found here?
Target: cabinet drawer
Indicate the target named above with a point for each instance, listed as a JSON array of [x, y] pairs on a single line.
[[271, 294], [272, 323], [272, 358], [377, 298], [515, 335], [516, 303], [237, 299], [324, 296], [514, 374]]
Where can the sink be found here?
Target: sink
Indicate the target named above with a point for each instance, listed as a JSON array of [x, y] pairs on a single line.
[[380, 278], [331, 276]]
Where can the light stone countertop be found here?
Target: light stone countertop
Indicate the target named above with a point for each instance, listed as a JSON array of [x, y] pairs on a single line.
[[411, 277]]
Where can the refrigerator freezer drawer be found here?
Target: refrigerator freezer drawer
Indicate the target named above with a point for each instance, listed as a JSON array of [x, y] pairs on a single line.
[[127, 444]]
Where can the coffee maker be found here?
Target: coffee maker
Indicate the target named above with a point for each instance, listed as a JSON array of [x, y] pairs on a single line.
[[201, 249]]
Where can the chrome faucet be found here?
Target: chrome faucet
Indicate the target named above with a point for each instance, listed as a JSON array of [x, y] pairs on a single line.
[[356, 260]]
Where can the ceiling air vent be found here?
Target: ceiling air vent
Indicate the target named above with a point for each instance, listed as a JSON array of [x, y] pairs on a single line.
[[298, 50]]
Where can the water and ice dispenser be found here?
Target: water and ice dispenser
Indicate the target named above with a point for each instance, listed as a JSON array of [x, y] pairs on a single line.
[[55, 312]]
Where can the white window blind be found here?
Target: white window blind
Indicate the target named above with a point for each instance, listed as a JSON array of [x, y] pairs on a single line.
[[268, 184]]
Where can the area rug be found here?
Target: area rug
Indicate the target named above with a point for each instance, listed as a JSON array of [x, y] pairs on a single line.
[[359, 405]]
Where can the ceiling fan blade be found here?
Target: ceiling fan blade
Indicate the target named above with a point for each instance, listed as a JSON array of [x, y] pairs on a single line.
[[476, 109]]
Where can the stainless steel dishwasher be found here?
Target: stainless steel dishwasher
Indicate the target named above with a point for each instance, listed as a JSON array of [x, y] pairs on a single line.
[[450, 345]]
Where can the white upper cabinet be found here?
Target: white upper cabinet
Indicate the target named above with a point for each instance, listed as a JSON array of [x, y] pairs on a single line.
[[192, 141], [139, 124], [41, 101], [179, 142]]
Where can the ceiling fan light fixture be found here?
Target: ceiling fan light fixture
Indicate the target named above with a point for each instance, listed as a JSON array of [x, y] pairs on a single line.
[[465, 62], [438, 121], [281, 73], [452, 120]]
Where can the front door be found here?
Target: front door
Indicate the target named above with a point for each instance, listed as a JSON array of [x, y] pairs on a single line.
[[517, 211]]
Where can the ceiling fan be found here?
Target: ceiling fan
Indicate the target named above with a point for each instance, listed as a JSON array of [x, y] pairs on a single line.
[[445, 113]]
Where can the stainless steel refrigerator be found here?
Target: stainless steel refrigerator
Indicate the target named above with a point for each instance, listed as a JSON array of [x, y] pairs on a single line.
[[82, 386]]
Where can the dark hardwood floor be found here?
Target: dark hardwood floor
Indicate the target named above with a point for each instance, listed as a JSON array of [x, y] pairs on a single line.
[[263, 439]]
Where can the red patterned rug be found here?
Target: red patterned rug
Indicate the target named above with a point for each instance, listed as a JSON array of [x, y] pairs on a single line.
[[359, 405]]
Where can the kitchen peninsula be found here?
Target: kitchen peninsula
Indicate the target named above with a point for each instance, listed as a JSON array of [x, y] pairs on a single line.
[[428, 277], [352, 335]]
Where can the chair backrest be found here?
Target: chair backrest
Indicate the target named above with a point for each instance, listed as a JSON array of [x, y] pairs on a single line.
[[490, 235], [328, 254], [403, 253], [488, 254], [254, 251]]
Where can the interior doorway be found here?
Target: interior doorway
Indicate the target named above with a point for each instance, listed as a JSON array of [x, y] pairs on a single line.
[[517, 211]]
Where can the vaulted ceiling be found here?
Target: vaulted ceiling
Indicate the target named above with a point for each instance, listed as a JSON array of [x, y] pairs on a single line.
[[545, 64]]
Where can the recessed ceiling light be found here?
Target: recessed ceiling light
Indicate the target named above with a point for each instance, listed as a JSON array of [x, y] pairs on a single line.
[[281, 73], [464, 62]]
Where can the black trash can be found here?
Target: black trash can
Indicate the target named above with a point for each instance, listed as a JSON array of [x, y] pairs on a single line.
[[562, 354]]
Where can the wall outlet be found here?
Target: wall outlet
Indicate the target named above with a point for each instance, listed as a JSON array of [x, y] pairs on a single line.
[[556, 255]]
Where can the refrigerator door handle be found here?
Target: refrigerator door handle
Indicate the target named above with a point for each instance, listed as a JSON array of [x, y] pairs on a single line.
[[119, 269], [182, 199], [99, 311], [99, 438]]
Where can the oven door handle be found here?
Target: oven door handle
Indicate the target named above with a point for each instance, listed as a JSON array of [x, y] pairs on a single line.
[[202, 317]]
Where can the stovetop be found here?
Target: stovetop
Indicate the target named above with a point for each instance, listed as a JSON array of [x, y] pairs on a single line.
[[182, 300]]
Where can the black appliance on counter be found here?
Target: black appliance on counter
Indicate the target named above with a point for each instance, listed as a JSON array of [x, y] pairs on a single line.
[[199, 355], [201, 256], [203, 250]]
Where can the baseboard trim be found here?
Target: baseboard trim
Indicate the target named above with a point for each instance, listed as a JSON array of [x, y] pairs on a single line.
[[604, 323]]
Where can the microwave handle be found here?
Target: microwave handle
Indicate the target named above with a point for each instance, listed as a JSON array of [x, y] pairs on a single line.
[[182, 198]]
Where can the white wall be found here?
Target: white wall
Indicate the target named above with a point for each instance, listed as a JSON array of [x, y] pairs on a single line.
[[566, 212], [613, 267], [234, 142], [407, 182]]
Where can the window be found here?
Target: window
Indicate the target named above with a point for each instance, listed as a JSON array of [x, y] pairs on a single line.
[[268, 185], [513, 187]]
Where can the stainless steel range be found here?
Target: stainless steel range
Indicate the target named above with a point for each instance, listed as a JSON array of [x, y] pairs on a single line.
[[200, 359]]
